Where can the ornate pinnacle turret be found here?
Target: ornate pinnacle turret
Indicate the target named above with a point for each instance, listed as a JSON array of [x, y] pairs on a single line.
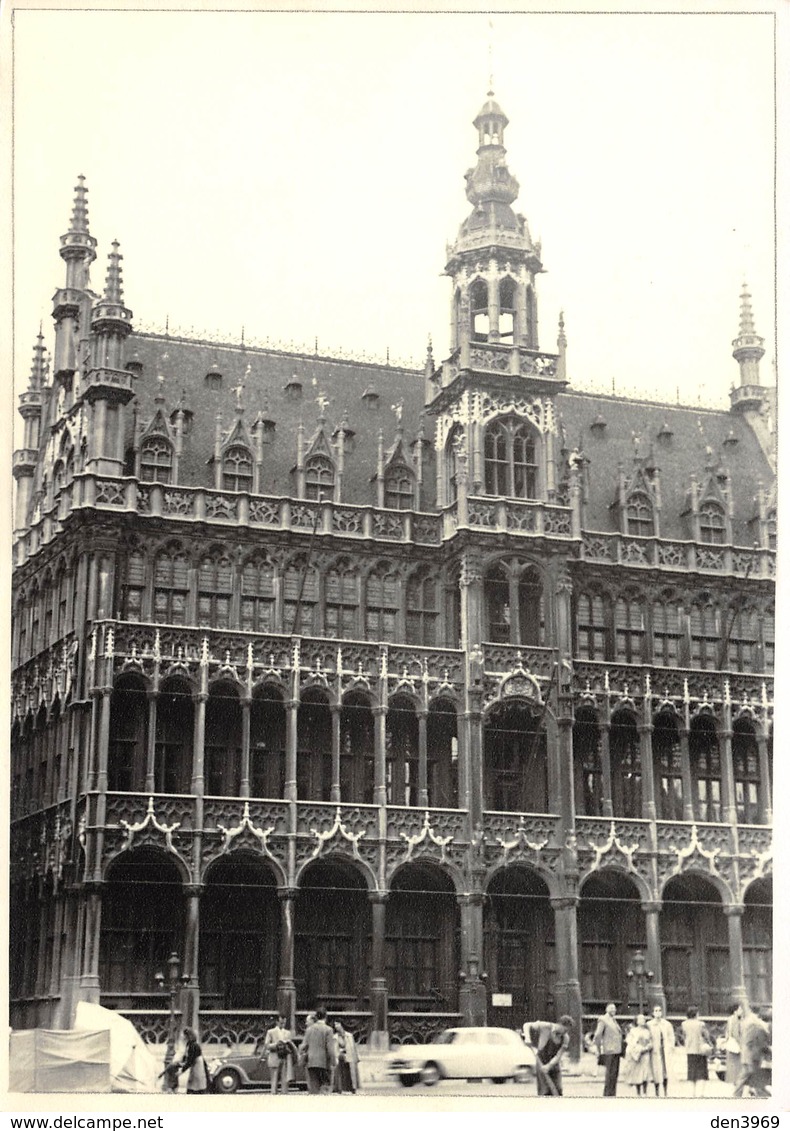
[[78, 246], [79, 216], [38, 371], [562, 341], [110, 317], [113, 286], [747, 349], [747, 318]]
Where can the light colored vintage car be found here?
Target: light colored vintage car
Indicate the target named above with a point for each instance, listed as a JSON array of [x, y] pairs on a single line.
[[464, 1054]]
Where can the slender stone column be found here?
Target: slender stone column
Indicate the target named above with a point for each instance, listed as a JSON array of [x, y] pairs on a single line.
[[606, 771], [685, 772], [379, 1037], [472, 991], [334, 792], [291, 716], [199, 743], [766, 809], [286, 986], [422, 763], [729, 809], [734, 913], [150, 753], [475, 755], [103, 739], [380, 755], [567, 988], [655, 987], [646, 767], [244, 784], [190, 995], [89, 980]]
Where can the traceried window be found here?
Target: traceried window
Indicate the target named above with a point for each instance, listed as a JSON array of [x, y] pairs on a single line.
[[237, 469], [711, 524], [626, 765], [399, 488], [300, 597], [742, 640], [705, 768], [666, 632], [746, 772], [156, 460], [215, 590], [422, 609], [319, 478], [381, 613], [639, 515], [667, 773], [704, 636], [514, 604], [591, 627], [629, 623], [171, 587], [134, 586], [342, 601], [257, 596], [511, 462]]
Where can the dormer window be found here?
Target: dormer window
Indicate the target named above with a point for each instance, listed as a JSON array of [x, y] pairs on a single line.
[[711, 524], [399, 488], [237, 469], [156, 460], [511, 462], [214, 380], [639, 516], [319, 478]]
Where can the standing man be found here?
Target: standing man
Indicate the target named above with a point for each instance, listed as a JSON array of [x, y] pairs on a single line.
[[663, 1037], [318, 1054], [279, 1049], [608, 1040], [755, 1047], [549, 1041]]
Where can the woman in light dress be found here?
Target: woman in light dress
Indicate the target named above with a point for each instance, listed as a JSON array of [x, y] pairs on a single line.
[[636, 1064]]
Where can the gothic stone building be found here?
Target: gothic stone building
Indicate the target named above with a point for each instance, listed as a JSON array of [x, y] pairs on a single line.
[[435, 716]]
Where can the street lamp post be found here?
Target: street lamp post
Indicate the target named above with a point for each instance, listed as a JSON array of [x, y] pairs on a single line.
[[173, 980], [640, 975]]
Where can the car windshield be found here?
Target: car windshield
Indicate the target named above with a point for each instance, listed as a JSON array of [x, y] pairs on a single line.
[[447, 1037]]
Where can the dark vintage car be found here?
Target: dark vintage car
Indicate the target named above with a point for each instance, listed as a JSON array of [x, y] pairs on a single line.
[[230, 1073]]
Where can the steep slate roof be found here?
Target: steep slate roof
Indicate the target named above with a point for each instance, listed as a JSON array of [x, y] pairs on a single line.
[[344, 382]]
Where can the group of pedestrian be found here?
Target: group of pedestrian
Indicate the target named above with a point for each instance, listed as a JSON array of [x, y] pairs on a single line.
[[646, 1051], [327, 1053]]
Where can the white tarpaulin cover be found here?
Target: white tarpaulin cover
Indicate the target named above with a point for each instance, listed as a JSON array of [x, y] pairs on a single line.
[[132, 1067], [59, 1060]]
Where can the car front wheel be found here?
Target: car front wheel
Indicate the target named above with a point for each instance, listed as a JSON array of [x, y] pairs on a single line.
[[522, 1075], [409, 1079], [430, 1074], [227, 1081]]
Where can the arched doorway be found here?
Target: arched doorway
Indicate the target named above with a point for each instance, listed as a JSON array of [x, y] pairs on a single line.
[[518, 928], [142, 923], [333, 924], [515, 773], [239, 935], [422, 941], [757, 942], [611, 929], [694, 946]]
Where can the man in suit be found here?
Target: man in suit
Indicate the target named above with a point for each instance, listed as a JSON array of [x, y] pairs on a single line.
[[608, 1040], [318, 1054]]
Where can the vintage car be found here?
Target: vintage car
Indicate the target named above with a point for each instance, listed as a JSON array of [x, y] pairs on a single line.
[[464, 1054], [230, 1073]]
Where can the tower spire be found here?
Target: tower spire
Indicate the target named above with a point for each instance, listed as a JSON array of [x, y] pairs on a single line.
[[747, 348], [38, 372], [113, 286]]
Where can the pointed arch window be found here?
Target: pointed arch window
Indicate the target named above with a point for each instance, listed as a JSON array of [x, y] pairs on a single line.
[[319, 478], [668, 767], [507, 310], [381, 606], [639, 515], [257, 596], [399, 488], [422, 609], [511, 459], [711, 523], [215, 590], [300, 597], [156, 460], [237, 469], [592, 630], [705, 636], [342, 601], [705, 768], [629, 629], [171, 587], [514, 604], [746, 773], [666, 632], [742, 640], [478, 303], [626, 765]]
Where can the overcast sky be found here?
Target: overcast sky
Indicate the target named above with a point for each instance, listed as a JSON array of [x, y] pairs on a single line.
[[300, 174]]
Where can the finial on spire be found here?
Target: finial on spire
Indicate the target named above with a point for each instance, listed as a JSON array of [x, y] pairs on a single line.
[[79, 215], [561, 339], [747, 317], [113, 286], [38, 372]]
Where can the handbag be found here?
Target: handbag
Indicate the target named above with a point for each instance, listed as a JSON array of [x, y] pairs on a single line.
[[705, 1049], [731, 1045]]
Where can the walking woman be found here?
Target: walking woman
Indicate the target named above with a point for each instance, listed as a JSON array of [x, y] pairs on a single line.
[[197, 1081], [732, 1044], [636, 1064], [346, 1061], [697, 1042]]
